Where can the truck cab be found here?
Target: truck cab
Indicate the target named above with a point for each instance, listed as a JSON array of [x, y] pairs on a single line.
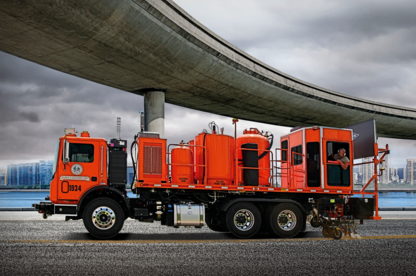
[[84, 164]]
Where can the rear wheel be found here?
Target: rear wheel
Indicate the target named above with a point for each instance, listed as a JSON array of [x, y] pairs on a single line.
[[243, 219], [103, 218], [284, 220]]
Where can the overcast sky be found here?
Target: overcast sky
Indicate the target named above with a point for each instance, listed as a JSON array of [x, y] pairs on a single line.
[[360, 48]]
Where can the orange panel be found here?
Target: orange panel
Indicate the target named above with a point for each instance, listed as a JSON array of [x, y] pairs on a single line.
[[152, 160], [312, 135]]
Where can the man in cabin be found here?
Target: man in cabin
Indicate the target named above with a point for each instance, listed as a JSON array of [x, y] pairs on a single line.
[[343, 161]]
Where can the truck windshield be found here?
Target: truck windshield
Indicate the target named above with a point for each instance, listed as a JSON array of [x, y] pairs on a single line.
[[55, 161]]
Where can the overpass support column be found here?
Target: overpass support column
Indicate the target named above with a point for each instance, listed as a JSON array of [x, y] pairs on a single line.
[[154, 112]]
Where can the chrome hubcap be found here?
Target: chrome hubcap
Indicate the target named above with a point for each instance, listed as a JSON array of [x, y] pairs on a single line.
[[286, 220], [103, 218], [243, 220]]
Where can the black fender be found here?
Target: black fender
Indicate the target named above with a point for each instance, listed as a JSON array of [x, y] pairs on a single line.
[[108, 188], [227, 205]]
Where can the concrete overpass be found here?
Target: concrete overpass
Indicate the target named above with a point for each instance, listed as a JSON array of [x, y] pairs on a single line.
[[147, 45]]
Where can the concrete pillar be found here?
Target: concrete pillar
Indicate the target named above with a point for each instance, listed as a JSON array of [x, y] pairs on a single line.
[[154, 112]]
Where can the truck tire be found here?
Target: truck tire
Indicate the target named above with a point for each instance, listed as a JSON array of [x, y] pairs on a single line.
[[243, 220], [284, 220], [103, 218]]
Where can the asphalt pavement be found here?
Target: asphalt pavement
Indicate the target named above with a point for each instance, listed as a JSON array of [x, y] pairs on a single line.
[[30, 245]]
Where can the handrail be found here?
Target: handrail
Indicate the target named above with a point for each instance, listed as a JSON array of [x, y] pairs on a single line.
[[185, 165]]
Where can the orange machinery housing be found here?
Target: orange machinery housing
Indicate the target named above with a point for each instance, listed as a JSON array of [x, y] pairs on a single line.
[[209, 162], [307, 161], [151, 161]]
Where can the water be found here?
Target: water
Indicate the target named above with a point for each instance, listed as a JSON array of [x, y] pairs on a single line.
[[26, 199]]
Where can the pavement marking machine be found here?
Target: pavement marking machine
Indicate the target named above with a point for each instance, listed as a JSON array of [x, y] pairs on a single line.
[[231, 184]]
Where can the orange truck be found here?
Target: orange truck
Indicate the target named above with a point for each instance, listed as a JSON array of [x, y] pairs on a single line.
[[230, 184]]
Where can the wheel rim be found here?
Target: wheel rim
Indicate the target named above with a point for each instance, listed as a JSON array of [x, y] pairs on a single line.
[[286, 220], [103, 218], [337, 233], [244, 220]]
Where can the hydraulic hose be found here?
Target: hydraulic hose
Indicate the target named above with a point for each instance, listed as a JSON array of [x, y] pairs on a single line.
[[132, 160], [266, 152]]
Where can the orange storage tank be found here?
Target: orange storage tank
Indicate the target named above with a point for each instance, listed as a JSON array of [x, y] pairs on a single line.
[[254, 136], [199, 157], [218, 155], [182, 170]]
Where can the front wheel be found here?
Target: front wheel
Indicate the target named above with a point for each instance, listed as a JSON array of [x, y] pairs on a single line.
[[103, 218], [243, 220], [284, 220]]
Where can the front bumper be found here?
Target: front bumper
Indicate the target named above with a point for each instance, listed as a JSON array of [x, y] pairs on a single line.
[[45, 208]]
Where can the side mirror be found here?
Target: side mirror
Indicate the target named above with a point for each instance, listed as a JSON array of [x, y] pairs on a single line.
[[65, 153]]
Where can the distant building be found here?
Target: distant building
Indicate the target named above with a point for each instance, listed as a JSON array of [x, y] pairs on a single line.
[[3, 177], [30, 174], [385, 177], [355, 177], [400, 173], [45, 171], [410, 171], [397, 175], [12, 174], [367, 170]]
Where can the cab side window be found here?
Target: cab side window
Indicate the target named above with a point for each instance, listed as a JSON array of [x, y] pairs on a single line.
[[296, 155], [83, 153], [284, 150]]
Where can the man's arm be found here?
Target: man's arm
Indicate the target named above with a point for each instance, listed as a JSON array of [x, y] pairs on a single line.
[[344, 165]]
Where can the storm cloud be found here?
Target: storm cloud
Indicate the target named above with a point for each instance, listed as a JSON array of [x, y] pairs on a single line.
[[360, 48]]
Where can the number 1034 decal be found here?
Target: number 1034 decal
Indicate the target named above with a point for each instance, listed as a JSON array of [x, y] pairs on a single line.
[[75, 188]]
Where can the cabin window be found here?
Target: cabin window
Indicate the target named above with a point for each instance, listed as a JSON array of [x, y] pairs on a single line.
[[296, 153], [313, 161], [336, 175], [333, 147], [81, 153], [284, 150]]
